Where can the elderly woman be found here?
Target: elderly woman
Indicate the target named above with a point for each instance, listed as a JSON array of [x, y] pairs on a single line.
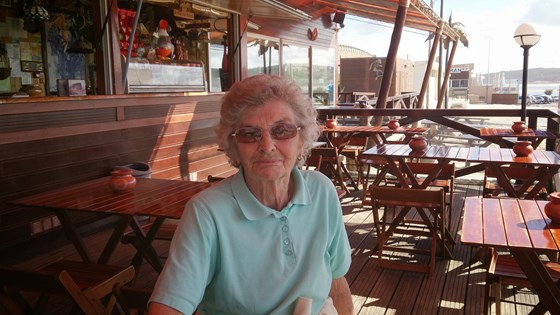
[[269, 239]]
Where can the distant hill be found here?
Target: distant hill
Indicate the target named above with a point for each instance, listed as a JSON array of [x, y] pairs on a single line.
[[535, 75]]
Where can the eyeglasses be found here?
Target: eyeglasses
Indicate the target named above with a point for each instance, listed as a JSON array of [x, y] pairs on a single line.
[[281, 131]]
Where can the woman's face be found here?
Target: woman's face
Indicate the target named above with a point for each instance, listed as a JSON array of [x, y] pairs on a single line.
[[269, 159]]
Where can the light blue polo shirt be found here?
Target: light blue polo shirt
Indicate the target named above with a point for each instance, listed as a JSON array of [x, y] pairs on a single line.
[[233, 255]]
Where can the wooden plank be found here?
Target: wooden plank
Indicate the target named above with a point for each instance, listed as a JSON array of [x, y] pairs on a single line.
[[494, 233], [514, 224], [472, 219]]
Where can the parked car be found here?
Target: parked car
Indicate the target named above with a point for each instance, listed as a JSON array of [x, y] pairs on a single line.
[[530, 99]]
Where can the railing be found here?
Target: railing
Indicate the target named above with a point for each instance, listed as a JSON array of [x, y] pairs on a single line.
[[445, 117]]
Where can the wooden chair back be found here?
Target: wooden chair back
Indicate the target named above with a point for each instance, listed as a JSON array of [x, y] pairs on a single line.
[[406, 197], [422, 168], [86, 284]]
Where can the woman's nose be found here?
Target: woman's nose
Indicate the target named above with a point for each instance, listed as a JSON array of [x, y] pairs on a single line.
[[266, 144]]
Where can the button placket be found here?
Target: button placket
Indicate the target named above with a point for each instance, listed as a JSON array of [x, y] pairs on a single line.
[[287, 246]]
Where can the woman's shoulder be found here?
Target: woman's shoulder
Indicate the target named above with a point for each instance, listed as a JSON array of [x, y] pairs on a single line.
[[316, 178]]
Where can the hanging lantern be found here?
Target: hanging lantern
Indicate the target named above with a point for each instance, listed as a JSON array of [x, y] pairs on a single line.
[[36, 13], [33, 17]]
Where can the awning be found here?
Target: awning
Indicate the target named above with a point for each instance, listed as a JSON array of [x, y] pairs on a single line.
[[260, 8], [419, 16]]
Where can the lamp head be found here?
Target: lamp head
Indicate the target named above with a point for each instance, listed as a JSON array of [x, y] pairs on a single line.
[[526, 35]]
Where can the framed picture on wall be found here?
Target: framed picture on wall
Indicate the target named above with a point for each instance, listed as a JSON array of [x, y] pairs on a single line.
[[6, 3]]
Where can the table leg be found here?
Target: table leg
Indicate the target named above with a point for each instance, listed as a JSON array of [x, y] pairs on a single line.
[[535, 271], [144, 245], [115, 238], [72, 234]]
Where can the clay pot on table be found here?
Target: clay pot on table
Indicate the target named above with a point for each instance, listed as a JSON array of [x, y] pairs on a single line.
[[518, 126], [122, 180], [418, 143], [552, 208], [330, 123], [393, 124], [522, 148]]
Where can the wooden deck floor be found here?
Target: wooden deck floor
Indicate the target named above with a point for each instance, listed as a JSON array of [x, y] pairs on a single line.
[[456, 287]]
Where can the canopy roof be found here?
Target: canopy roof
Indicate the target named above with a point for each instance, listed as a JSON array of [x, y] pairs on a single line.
[[419, 16]]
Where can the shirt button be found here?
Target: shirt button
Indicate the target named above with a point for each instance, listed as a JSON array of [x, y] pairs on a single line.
[[288, 253], [285, 228], [284, 218], [286, 241]]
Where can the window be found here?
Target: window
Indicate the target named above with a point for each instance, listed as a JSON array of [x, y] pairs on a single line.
[[296, 64], [216, 53], [263, 56], [323, 70]]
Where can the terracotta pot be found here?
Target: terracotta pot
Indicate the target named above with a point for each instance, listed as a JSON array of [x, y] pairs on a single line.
[[518, 126], [122, 180], [393, 124], [418, 143], [552, 208], [523, 148], [330, 123], [31, 90]]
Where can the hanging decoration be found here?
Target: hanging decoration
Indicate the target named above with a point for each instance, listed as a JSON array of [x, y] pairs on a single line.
[[312, 34], [81, 45]]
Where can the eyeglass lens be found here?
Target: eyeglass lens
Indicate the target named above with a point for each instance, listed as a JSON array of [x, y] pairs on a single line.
[[281, 131]]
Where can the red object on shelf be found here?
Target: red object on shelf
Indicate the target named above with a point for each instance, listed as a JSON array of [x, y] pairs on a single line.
[[126, 21]]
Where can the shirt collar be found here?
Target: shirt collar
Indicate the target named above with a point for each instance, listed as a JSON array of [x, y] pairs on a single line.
[[253, 209]]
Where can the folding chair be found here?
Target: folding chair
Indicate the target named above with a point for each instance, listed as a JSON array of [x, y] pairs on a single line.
[[518, 175], [86, 284], [430, 206], [315, 162], [504, 270], [329, 164], [445, 179]]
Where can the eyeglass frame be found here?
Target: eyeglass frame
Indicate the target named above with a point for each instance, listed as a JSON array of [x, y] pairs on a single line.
[[260, 132]]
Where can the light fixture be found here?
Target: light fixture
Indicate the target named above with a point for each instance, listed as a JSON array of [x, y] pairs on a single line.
[[36, 13], [286, 8], [526, 36], [33, 16], [339, 18]]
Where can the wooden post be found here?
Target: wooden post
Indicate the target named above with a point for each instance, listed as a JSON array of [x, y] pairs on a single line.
[[392, 54], [427, 74], [443, 87]]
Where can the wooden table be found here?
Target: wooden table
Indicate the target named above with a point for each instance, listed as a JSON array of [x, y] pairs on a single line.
[[157, 198], [497, 135], [378, 133], [523, 228], [545, 164]]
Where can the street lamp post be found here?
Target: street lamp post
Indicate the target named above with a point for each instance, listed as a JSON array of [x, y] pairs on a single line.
[[526, 36]]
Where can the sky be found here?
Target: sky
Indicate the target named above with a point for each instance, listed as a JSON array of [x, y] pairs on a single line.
[[490, 25]]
